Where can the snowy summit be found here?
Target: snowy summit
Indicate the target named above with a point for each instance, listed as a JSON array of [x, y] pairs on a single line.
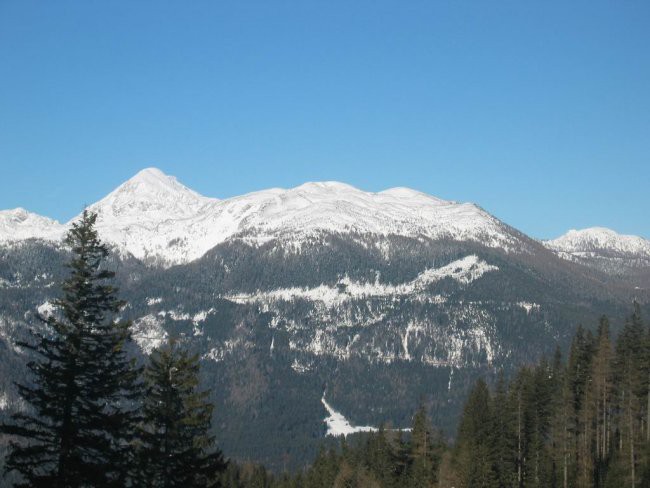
[[153, 216], [599, 240], [19, 224]]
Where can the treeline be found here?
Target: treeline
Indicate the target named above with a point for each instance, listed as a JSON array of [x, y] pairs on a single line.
[[583, 422], [580, 424], [386, 458]]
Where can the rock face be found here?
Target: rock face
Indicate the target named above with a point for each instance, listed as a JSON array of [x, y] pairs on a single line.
[[379, 299]]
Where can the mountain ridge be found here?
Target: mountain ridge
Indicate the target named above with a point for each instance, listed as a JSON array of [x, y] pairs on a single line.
[[156, 218], [298, 296]]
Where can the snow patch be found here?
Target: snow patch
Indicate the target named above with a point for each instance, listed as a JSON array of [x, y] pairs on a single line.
[[174, 315], [299, 367], [46, 309], [4, 401], [201, 316], [148, 333], [215, 354], [338, 425], [528, 306], [464, 271], [198, 319], [405, 338]]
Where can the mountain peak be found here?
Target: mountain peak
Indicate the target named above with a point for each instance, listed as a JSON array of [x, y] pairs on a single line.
[[19, 224], [19, 214], [154, 180], [149, 195], [153, 215], [326, 186], [598, 240], [152, 174]]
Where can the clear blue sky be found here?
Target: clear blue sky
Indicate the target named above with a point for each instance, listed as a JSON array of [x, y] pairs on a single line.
[[537, 111]]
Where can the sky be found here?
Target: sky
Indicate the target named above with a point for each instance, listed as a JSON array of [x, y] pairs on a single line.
[[537, 111]]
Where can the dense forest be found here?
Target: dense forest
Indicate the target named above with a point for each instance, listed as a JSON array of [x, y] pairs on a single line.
[[582, 422], [94, 416]]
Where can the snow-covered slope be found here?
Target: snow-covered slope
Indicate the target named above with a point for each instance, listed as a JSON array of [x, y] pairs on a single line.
[[19, 224], [337, 207], [338, 425], [599, 242], [463, 271], [152, 215]]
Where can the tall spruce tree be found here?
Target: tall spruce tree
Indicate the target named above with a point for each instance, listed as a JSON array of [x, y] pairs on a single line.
[[630, 377], [475, 457], [602, 398], [504, 441], [79, 424], [178, 450], [424, 455]]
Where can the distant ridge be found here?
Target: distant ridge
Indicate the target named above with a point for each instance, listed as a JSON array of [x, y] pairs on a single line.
[[155, 217]]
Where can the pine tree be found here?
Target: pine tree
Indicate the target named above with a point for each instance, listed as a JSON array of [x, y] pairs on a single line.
[[424, 451], [324, 469], [560, 438], [79, 426], [503, 432], [631, 395], [380, 457], [178, 450], [602, 398], [519, 401], [580, 469], [474, 455], [541, 411]]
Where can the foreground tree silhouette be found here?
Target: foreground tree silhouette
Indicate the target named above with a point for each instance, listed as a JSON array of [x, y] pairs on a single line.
[[80, 423], [177, 450]]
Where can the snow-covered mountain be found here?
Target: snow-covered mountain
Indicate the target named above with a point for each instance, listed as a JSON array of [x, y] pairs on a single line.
[[599, 240], [381, 299], [19, 224], [154, 216], [598, 245]]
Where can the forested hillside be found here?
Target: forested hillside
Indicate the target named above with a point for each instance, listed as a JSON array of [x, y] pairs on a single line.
[[580, 422], [291, 300]]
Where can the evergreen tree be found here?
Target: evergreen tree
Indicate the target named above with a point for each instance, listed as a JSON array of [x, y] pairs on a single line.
[[79, 426], [380, 457], [540, 412], [177, 450], [630, 379], [579, 421], [503, 431], [560, 439], [602, 398], [424, 452], [474, 454], [324, 470]]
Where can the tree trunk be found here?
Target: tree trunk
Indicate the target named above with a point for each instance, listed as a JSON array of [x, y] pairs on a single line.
[[631, 427], [519, 439], [647, 431]]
